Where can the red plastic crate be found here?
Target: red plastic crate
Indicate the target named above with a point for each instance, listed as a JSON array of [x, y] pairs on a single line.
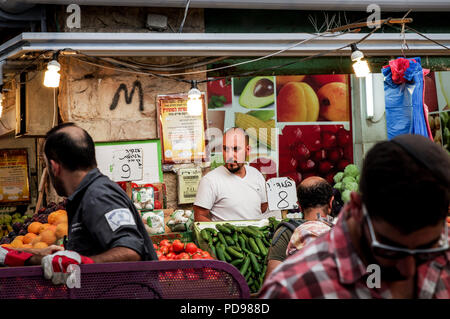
[[186, 279]]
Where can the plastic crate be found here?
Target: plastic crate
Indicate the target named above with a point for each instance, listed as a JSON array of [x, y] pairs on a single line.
[[187, 279]]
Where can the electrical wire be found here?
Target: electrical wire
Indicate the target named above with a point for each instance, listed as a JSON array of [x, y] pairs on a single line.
[[185, 15]]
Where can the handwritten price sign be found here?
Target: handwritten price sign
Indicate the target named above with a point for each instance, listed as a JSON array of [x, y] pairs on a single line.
[[281, 193], [127, 165]]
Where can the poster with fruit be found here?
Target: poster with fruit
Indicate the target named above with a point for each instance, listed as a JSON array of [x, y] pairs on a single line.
[[313, 98], [272, 110], [314, 150]]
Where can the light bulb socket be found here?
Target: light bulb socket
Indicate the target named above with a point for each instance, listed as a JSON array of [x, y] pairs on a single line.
[[356, 54], [53, 64]]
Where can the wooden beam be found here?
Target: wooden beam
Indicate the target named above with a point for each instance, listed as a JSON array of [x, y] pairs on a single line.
[[365, 24]]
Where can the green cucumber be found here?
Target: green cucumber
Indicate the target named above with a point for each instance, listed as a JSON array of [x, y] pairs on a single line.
[[229, 240], [211, 231], [220, 253], [261, 246], [254, 248], [222, 239], [250, 232], [205, 235], [255, 263], [227, 256], [244, 266], [224, 229], [234, 253], [237, 262]]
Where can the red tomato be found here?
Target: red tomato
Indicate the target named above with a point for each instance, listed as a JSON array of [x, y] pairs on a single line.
[[171, 255], [191, 248], [163, 257], [178, 246], [157, 204], [164, 242], [155, 246], [183, 256], [159, 254], [164, 250], [197, 256]]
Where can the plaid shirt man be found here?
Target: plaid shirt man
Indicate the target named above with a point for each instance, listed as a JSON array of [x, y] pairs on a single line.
[[330, 268]]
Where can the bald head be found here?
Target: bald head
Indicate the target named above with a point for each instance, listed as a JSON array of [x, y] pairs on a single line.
[[314, 192], [71, 146]]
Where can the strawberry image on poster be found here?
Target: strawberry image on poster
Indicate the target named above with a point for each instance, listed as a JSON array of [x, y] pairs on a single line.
[[314, 150]]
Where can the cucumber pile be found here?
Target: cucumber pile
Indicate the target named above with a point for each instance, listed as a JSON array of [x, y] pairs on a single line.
[[245, 247]]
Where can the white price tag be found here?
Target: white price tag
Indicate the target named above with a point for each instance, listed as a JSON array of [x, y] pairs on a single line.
[[127, 165], [281, 193]]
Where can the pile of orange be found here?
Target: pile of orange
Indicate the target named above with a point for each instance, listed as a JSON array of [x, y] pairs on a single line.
[[42, 235]]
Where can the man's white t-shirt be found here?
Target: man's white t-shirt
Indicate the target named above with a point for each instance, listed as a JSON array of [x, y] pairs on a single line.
[[230, 197]]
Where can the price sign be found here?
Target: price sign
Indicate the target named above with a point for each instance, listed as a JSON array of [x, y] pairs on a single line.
[[281, 193], [127, 165]]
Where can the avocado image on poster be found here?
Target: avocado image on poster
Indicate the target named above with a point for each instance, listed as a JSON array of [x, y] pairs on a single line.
[[258, 92]]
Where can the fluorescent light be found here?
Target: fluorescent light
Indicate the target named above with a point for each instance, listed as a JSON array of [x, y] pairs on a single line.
[[52, 77], [369, 96]]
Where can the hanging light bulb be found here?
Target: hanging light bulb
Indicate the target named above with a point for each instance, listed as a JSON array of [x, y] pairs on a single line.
[[51, 78], [194, 103], [360, 66]]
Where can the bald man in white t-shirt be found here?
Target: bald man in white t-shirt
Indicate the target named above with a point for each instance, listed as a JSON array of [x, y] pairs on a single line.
[[234, 191]]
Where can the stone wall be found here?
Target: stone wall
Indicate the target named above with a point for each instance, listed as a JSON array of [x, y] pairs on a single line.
[[87, 91]]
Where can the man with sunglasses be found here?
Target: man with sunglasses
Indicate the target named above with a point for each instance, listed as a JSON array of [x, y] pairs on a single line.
[[394, 228]]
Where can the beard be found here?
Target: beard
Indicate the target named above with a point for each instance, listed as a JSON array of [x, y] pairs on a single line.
[[57, 184], [233, 167]]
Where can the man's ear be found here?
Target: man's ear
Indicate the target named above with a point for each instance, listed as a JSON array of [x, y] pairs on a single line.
[[331, 202], [355, 205], [55, 167]]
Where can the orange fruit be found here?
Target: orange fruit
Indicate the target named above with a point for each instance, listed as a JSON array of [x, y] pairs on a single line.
[[28, 238], [52, 218], [40, 245], [34, 227], [43, 227], [19, 238], [36, 240], [6, 246], [61, 230], [48, 237], [27, 246], [16, 243], [62, 218]]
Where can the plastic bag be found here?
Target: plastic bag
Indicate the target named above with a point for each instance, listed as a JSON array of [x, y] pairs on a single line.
[[403, 88], [154, 222]]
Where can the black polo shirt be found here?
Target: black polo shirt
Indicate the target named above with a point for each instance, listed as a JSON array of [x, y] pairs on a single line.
[[101, 216]]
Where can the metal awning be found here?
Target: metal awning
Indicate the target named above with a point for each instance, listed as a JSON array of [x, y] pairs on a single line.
[[220, 44]]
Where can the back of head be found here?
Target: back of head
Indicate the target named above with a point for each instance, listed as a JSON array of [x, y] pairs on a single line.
[[70, 146], [314, 192], [406, 182]]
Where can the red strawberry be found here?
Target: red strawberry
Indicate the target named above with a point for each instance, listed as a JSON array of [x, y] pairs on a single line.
[[320, 155]]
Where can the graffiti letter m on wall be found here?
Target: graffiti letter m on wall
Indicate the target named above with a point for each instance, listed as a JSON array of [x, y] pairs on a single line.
[[128, 97]]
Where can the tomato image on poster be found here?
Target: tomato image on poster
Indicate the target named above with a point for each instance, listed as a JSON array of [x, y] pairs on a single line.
[[314, 150]]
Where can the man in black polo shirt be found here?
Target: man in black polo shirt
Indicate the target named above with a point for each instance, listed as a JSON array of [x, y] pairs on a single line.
[[104, 225]]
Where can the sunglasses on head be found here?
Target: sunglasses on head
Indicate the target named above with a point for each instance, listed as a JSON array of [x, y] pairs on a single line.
[[392, 252]]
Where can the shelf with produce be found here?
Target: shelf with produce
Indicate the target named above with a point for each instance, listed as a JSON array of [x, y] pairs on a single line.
[[243, 244]]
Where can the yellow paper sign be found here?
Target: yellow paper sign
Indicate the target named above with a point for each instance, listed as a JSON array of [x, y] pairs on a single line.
[[14, 184], [182, 135]]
